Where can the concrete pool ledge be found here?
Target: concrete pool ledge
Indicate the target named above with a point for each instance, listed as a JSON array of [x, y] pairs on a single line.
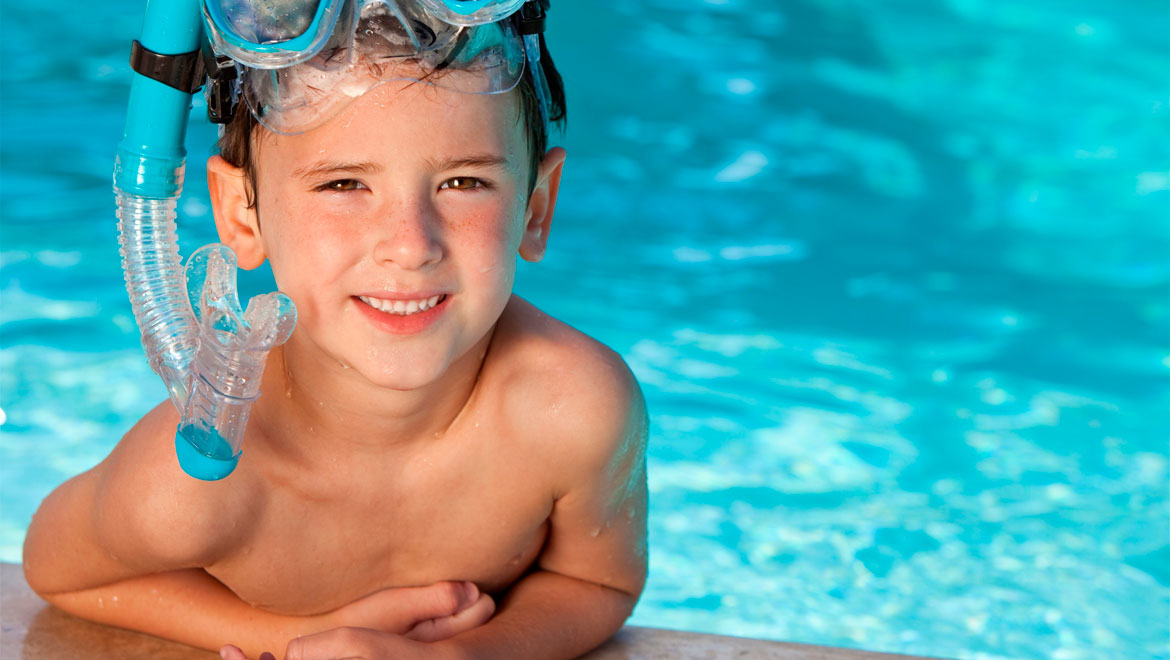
[[33, 630]]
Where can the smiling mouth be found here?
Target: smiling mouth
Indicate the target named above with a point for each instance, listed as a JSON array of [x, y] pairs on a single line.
[[403, 307]]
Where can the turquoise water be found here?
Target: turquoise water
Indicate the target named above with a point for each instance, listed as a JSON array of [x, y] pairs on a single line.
[[895, 277]]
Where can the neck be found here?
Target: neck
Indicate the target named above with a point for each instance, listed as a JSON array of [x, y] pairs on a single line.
[[312, 406]]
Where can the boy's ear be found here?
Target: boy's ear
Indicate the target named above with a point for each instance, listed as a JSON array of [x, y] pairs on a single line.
[[237, 224], [541, 205]]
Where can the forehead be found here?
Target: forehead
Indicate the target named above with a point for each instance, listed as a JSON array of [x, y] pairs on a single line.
[[401, 120]]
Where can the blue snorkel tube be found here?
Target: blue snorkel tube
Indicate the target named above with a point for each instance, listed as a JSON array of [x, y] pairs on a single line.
[[209, 354]]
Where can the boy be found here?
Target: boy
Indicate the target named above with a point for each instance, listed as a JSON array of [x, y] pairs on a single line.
[[434, 468]]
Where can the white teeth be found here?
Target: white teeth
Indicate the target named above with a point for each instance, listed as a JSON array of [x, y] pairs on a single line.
[[402, 307]]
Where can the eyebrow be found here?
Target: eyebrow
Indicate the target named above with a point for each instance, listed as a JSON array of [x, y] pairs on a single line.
[[476, 160], [330, 168], [327, 168]]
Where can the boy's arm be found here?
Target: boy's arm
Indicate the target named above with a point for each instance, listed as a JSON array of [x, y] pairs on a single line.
[[593, 566], [124, 544]]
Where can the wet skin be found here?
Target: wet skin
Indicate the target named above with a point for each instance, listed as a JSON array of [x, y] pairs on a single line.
[[479, 440]]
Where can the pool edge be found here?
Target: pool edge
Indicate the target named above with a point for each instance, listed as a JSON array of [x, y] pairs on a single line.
[[33, 630]]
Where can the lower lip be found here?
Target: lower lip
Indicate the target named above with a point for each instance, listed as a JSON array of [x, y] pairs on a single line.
[[403, 324]]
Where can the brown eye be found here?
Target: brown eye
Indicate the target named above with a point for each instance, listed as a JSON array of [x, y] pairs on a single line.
[[461, 183], [342, 185]]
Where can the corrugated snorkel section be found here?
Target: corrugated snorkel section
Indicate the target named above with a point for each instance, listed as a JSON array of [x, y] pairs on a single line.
[[154, 280]]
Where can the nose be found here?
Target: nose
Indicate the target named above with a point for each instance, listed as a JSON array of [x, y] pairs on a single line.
[[410, 238]]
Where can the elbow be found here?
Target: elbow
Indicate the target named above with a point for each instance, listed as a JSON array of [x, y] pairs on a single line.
[[37, 579], [45, 560], [630, 598], [32, 561], [38, 571], [624, 596]]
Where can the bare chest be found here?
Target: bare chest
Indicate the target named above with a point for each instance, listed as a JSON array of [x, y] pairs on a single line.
[[313, 553]]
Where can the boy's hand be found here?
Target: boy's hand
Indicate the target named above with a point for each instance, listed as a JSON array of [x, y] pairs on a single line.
[[351, 644], [425, 614], [392, 621]]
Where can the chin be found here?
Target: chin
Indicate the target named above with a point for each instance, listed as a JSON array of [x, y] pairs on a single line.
[[403, 370], [402, 377]]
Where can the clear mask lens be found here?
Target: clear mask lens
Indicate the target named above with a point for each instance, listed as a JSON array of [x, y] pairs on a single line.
[[390, 41], [271, 33], [471, 12], [269, 21]]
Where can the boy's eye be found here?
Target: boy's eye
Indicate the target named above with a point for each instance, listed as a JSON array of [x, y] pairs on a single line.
[[342, 185], [463, 183]]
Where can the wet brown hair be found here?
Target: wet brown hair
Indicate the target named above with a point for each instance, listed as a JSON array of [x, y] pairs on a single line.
[[237, 142]]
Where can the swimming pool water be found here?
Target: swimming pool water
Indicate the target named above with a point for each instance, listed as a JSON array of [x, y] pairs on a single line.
[[895, 277]]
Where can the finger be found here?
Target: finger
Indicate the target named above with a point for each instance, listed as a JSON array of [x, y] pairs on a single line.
[[443, 599], [440, 628], [336, 644], [232, 652], [395, 610]]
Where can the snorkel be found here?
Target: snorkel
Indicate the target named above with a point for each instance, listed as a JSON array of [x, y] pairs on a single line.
[[209, 354]]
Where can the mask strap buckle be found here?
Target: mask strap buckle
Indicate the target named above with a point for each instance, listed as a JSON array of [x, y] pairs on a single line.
[[222, 92], [531, 17], [183, 72]]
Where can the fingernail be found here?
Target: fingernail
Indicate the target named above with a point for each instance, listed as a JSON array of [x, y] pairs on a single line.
[[471, 590], [223, 654], [267, 656]]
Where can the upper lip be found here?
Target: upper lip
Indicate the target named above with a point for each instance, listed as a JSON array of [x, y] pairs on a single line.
[[399, 295]]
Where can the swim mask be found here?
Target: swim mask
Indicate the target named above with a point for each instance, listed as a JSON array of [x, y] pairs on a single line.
[[299, 62]]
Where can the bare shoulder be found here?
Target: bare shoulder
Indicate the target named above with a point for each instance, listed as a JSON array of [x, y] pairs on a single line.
[[579, 413], [149, 507], [562, 386], [134, 513]]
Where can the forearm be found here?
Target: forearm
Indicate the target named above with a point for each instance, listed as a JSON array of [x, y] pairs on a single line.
[[547, 615], [187, 606]]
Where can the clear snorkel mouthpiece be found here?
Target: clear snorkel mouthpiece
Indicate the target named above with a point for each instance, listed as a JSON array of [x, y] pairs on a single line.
[[229, 363]]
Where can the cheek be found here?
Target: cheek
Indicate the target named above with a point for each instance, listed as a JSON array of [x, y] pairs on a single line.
[[302, 249], [492, 229]]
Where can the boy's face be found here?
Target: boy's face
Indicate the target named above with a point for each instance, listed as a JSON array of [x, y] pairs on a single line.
[[413, 196]]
